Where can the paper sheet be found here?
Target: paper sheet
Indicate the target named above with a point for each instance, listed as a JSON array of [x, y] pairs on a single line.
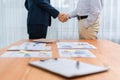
[[27, 54], [31, 46], [81, 45], [75, 53]]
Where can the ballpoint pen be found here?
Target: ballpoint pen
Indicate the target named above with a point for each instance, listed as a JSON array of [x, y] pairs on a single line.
[[77, 64], [48, 59]]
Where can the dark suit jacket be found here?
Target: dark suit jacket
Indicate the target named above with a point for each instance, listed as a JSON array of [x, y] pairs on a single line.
[[40, 12]]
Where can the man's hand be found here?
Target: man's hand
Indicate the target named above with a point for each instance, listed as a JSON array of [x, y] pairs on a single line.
[[63, 17]]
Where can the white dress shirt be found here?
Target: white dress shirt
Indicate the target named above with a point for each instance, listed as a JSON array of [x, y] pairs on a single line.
[[91, 8]]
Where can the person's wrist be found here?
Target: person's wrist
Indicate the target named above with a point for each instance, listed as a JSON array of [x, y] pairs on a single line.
[[59, 15]]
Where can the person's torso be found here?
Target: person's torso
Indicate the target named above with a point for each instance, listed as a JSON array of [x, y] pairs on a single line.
[[36, 15], [84, 7]]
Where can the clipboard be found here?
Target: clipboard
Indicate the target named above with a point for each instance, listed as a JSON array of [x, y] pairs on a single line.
[[68, 68]]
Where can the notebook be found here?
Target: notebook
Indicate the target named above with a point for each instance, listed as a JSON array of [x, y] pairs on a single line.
[[68, 68]]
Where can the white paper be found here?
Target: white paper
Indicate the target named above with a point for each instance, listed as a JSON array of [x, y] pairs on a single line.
[[31, 46], [75, 53], [41, 54], [81, 45]]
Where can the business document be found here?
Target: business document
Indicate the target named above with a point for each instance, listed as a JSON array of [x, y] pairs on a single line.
[[27, 54]]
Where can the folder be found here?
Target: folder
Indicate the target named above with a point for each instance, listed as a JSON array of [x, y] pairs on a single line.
[[67, 67]]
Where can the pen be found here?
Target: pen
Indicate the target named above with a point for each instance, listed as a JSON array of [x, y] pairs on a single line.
[[77, 64], [42, 60], [55, 59], [48, 59]]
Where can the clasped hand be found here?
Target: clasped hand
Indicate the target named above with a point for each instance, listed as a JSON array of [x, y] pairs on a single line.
[[63, 17]]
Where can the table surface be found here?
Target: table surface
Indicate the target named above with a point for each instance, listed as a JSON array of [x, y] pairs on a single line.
[[107, 53]]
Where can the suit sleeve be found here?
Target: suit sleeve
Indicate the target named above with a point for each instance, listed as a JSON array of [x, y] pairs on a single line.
[[47, 7], [26, 4]]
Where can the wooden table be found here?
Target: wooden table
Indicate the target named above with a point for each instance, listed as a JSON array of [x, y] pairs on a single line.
[[107, 53]]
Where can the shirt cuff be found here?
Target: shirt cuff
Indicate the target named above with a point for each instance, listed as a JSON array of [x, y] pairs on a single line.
[[71, 16]]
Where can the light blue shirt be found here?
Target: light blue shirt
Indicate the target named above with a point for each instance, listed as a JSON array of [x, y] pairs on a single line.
[[92, 8]]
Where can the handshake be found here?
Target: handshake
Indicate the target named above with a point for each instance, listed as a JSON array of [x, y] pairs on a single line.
[[63, 17]]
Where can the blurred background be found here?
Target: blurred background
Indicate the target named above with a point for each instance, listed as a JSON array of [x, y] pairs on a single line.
[[13, 17]]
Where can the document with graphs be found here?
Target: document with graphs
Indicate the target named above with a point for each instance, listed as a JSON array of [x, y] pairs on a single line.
[[76, 53], [27, 54], [78, 45], [31, 46]]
